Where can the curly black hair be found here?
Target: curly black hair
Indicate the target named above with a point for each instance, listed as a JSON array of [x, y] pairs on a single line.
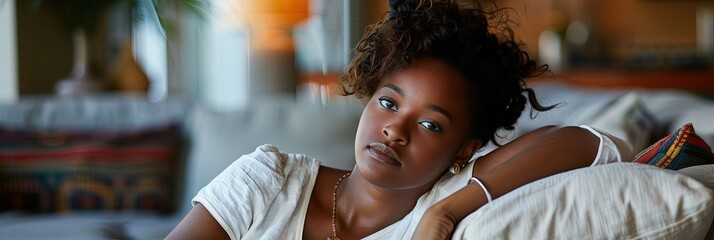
[[476, 42]]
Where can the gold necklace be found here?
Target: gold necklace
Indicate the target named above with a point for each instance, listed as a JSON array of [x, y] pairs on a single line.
[[334, 208]]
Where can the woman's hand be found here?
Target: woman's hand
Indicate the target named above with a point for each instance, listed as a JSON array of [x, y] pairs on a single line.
[[536, 155], [437, 223]]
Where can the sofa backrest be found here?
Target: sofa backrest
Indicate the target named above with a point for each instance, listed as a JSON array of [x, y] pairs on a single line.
[[218, 138], [92, 112]]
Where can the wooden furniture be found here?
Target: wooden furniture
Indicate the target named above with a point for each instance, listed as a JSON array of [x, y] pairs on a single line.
[[699, 81]]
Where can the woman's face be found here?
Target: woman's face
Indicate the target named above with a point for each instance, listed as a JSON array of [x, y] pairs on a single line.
[[414, 127]]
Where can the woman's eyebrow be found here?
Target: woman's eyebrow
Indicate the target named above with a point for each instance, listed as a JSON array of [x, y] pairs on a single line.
[[440, 110], [395, 88], [429, 106]]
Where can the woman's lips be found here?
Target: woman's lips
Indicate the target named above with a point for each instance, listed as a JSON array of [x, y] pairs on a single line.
[[384, 154]]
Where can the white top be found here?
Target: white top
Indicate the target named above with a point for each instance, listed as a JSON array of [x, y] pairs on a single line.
[[265, 194]]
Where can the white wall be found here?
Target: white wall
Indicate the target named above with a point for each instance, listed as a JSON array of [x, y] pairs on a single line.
[[222, 58], [8, 52]]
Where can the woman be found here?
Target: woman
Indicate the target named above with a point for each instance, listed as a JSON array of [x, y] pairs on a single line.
[[439, 80]]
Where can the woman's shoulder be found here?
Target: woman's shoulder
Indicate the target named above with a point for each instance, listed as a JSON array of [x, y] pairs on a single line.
[[267, 165], [272, 158], [265, 171], [247, 189]]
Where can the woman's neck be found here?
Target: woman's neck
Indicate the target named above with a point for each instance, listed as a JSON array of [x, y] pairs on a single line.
[[364, 208]]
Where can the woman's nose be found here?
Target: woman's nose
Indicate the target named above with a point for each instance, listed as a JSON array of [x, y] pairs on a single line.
[[395, 133]]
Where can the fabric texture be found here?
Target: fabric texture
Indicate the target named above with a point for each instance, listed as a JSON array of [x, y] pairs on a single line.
[[241, 197], [703, 174], [610, 201], [68, 171], [680, 149]]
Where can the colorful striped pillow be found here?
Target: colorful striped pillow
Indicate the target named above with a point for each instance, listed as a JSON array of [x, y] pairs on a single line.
[[69, 171], [680, 149]]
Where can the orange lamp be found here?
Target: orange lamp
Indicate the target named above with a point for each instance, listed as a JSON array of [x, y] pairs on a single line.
[[279, 13]]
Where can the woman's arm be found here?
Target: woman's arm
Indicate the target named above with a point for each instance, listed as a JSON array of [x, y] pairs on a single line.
[[198, 224], [542, 153]]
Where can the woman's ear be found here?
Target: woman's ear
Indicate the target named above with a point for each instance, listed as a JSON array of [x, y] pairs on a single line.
[[467, 151]]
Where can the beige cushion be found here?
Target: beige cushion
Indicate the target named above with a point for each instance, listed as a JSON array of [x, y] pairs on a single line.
[[625, 117], [611, 201], [703, 174], [326, 133], [702, 117]]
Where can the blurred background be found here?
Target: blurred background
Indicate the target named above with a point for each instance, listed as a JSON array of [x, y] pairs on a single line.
[[223, 51], [218, 51], [627, 43], [110, 109]]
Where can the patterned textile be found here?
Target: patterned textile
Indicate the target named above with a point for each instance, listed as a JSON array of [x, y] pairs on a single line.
[[680, 149], [68, 171]]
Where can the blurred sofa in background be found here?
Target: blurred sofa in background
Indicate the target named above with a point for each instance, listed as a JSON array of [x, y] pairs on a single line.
[[121, 167]]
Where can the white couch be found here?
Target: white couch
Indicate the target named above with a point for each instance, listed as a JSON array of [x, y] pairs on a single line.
[[211, 141], [215, 139]]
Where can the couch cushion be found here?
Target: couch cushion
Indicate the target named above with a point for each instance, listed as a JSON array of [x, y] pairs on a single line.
[[675, 108], [63, 123], [701, 116], [326, 133], [680, 149], [569, 101], [625, 117], [107, 170], [611, 201], [703, 174]]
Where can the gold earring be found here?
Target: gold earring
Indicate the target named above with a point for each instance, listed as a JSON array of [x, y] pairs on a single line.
[[455, 168]]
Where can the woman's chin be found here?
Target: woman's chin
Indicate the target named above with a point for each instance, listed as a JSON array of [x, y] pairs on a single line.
[[377, 173]]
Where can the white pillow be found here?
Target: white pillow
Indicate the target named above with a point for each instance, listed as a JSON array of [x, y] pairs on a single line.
[[703, 174], [625, 117], [570, 100], [611, 201]]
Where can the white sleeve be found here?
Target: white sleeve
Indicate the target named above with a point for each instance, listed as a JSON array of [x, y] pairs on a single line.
[[611, 148], [241, 194]]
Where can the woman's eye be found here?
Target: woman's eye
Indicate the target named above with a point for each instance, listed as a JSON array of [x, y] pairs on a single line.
[[388, 104], [431, 126]]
